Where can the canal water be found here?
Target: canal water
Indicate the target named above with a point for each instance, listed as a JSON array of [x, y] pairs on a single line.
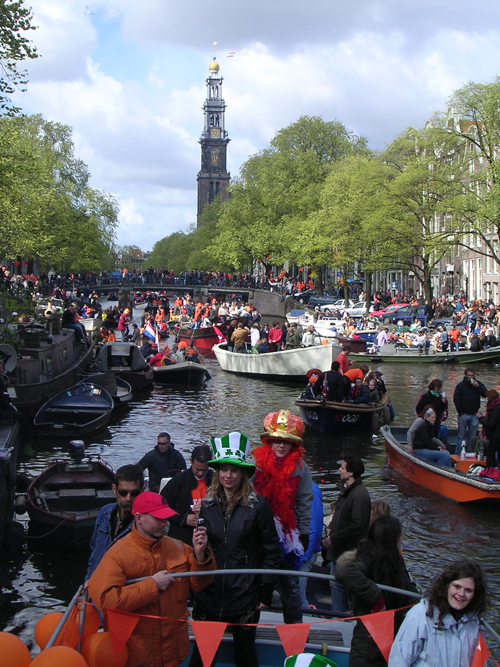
[[45, 574]]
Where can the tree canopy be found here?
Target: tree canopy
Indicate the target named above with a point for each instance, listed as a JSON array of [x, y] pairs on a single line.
[[15, 47]]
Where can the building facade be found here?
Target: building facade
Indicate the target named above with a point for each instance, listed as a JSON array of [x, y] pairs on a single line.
[[213, 177]]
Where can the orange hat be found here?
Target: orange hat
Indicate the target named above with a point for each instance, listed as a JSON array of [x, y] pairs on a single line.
[[190, 350], [282, 425], [182, 345]]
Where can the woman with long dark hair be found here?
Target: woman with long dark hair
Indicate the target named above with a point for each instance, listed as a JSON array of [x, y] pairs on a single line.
[[491, 427], [378, 560], [242, 535], [443, 628]]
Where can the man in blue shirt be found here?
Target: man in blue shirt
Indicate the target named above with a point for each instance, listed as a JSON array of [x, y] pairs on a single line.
[[115, 520]]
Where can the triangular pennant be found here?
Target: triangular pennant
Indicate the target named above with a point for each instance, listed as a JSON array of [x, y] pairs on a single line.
[[120, 626], [293, 637], [381, 628], [208, 635], [481, 654]]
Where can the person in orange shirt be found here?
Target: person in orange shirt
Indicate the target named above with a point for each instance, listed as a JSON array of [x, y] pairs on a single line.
[[354, 373], [185, 492], [343, 360]]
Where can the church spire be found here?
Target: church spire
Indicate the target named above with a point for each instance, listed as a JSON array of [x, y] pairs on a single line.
[[213, 177]]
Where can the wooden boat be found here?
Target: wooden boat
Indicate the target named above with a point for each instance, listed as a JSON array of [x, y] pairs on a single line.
[[118, 388], [186, 373], [82, 409], [331, 417], [290, 364], [203, 338], [70, 495], [46, 365], [126, 361], [391, 353], [452, 484]]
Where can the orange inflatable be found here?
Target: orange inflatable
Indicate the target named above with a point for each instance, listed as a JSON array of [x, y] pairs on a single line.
[[62, 656], [98, 651], [13, 652], [46, 626], [92, 620]]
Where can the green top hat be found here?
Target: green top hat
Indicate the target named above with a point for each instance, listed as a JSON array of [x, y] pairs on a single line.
[[232, 448], [308, 660]]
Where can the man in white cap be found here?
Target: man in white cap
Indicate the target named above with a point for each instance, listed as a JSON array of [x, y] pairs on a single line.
[[148, 555]]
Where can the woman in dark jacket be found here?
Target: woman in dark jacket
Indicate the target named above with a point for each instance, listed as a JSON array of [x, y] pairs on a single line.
[[491, 427], [378, 560], [437, 400], [423, 446], [242, 535]]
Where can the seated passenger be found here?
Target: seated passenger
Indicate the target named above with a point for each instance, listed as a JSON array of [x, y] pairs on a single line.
[[359, 392], [375, 396], [424, 443], [330, 384], [190, 355]]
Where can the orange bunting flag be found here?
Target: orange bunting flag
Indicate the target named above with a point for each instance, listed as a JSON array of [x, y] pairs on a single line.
[[381, 628], [293, 637], [208, 635], [481, 654], [120, 626]]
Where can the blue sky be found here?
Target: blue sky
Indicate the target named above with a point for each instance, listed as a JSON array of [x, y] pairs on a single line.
[[129, 78]]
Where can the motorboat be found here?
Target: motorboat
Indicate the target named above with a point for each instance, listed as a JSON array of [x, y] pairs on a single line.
[[118, 388], [290, 364], [186, 373], [332, 417], [84, 408], [402, 354], [126, 361]]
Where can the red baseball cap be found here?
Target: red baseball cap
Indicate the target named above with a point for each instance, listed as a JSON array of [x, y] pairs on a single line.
[[152, 503]]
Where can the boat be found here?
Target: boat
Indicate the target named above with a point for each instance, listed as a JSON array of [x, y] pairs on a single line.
[[44, 365], [69, 495], [126, 361], [332, 417], [84, 408], [91, 324], [395, 354], [118, 388], [203, 338], [186, 373], [454, 484], [290, 364]]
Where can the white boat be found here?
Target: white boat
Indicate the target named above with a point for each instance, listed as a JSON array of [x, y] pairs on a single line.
[[289, 364]]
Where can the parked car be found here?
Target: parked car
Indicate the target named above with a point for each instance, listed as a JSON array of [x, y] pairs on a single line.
[[386, 310], [339, 305], [304, 297], [401, 316], [322, 300]]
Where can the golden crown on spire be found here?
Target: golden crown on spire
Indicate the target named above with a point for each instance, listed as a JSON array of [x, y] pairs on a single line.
[[214, 65]]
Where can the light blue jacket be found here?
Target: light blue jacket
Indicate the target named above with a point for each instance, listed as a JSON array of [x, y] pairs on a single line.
[[420, 643]]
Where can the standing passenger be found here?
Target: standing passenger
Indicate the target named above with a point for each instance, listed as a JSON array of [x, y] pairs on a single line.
[[283, 477], [242, 534]]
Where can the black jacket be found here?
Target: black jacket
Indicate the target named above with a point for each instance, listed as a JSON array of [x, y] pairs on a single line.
[[351, 519], [177, 493], [334, 383], [357, 577], [160, 465], [437, 403], [492, 423], [249, 540], [422, 438], [467, 398]]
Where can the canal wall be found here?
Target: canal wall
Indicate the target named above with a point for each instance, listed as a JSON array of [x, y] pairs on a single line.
[[9, 449]]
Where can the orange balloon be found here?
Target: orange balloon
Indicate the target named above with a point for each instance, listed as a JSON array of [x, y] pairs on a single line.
[[62, 656], [46, 626], [92, 620], [98, 651], [13, 653]]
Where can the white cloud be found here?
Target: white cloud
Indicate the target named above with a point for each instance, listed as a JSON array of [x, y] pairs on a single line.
[[129, 78]]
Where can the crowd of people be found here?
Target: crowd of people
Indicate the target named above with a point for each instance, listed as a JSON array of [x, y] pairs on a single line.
[[228, 512]]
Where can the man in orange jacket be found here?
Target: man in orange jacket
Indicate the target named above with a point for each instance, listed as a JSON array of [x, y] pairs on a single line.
[[162, 641]]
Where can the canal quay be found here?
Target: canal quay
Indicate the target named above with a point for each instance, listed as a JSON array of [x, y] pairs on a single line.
[[45, 574]]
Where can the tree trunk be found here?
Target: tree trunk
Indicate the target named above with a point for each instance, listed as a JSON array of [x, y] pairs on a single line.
[[368, 290]]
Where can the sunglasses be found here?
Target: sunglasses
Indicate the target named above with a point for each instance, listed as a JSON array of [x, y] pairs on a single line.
[[164, 444], [124, 493]]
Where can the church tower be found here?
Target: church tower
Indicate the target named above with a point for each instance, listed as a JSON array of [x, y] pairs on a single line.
[[213, 177]]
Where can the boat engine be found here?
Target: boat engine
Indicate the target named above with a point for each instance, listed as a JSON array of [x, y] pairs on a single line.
[[77, 450]]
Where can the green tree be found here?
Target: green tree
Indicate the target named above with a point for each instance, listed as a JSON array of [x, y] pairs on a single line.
[[473, 122], [15, 47], [277, 190]]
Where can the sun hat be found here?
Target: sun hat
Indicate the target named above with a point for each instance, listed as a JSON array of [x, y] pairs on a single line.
[[152, 503], [282, 425], [313, 371], [308, 660], [232, 448]]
